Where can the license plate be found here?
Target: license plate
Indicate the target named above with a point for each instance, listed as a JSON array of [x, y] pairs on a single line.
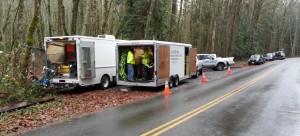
[[252, 62]]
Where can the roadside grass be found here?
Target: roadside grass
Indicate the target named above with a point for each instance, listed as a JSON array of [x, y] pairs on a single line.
[[30, 117], [241, 63], [67, 106], [11, 93]]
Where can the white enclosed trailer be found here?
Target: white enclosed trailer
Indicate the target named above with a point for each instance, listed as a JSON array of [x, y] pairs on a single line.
[[80, 61], [169, 61]]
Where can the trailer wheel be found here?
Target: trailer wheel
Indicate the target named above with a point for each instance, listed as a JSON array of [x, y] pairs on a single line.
[[105, 82], [176, 80], [171, 82]]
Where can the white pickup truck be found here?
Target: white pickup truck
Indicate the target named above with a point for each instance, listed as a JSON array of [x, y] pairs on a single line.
[[228, 60], [212, 61]]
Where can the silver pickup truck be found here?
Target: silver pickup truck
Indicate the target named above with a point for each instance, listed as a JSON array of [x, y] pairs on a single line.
[[210, 61]]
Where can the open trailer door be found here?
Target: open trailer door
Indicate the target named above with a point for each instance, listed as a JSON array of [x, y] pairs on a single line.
[[193, 52], [163, 63]]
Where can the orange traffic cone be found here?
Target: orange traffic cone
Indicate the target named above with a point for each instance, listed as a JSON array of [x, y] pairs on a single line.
[[167, 89], [228, 71], [203, 78]]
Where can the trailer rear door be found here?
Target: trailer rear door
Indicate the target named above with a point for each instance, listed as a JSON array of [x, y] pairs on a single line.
[[163, 63], [193, 53]]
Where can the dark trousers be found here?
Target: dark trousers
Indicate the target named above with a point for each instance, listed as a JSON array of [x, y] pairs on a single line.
[[145, 72], [130, 69]]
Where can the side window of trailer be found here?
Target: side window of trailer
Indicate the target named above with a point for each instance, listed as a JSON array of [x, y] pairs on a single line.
[[87, 59]]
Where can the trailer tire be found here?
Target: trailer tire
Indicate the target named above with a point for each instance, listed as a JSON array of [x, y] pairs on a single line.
[[105, 82], [171, 82], [176, 80]]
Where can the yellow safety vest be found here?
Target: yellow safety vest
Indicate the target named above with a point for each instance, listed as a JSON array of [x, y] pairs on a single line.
[[145, 59], [130, 58]]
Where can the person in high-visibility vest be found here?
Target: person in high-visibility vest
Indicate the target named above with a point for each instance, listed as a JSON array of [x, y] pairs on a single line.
[[130, 65], [145, 62]]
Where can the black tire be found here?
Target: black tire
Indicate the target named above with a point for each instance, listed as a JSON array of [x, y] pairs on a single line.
[[171, 82], [220, 67], [176, 80], [105, 82]]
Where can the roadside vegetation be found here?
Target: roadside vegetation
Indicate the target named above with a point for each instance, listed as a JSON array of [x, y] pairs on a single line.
[[12, 88], [67, 105], [241, 63]]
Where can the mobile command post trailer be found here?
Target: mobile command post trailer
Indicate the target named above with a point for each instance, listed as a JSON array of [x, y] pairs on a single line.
[[80, 60], [169, 61]]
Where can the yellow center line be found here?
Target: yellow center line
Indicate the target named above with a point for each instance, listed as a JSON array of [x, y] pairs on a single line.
[[191, 112], [202, 108], [200, 111]]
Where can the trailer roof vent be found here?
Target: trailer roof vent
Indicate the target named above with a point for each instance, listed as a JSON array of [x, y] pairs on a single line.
[[106, 36]]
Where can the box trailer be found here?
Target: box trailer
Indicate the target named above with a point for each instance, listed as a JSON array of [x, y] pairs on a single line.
[[169, 61], [80, 61]]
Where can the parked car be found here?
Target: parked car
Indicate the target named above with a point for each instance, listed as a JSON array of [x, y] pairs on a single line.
[[208, 61], [280, 55], [255, 59], [269, 57], [263, 59]]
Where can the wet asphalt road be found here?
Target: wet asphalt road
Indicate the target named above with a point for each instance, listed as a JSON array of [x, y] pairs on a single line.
[[269, 105]]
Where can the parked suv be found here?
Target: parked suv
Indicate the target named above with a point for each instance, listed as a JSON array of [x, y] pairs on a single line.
[[256, 59], [280, 55], [269, 57]]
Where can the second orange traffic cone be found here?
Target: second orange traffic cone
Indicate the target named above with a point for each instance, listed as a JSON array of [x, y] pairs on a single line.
[[203, 78], [228, 71], [167, 88]]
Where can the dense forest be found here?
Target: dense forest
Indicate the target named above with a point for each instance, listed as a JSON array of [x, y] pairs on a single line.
[[236, 28]]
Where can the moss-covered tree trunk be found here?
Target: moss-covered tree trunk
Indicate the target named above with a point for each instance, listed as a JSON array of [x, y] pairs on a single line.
[[149, 18], [87, 13], [59, 18], [74, 17], [93, 17], [21, 23], [30, 40], [173, 21], [18, 37], [1, 16], [63, 17], [112, 20], [80, 18], [106, 15], [49, 17]]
